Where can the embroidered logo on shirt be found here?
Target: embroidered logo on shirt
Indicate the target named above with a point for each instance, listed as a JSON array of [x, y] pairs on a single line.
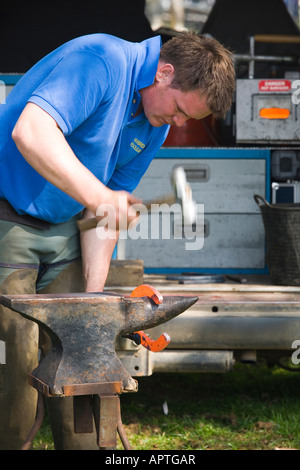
[[137, 145]]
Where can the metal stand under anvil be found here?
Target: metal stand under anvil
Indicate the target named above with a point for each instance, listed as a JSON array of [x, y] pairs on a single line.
[[82, 361]]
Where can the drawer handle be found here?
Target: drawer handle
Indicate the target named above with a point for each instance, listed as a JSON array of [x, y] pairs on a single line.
[[197, 175], [181, 230]]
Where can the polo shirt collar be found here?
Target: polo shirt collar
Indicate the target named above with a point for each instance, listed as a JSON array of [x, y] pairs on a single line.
[[147, 61]]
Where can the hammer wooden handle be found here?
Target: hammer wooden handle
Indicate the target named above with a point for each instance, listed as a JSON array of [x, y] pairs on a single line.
[[87, 224]]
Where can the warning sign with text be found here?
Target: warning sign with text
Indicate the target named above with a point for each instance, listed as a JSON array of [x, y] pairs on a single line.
[[274, 85]]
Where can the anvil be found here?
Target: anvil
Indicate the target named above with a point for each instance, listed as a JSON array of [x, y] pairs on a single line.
[[83, 328]]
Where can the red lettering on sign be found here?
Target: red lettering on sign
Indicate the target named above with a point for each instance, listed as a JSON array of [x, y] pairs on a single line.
[[274, 85]]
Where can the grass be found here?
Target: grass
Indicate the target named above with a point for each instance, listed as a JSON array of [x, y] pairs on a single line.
[[249, 408]]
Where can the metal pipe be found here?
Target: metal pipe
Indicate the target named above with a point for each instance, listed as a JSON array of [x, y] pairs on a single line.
[[121, 430], [277, 38], [252, 58], [192, 361], [40, 414], [264, 58]]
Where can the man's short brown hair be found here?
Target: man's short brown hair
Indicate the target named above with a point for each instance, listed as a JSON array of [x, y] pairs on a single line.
[[202, 63]]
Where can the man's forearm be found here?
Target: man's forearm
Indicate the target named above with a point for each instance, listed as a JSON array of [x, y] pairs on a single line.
[[96, 257]]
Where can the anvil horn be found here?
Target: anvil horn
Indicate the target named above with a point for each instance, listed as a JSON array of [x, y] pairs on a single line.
[[155, 314]]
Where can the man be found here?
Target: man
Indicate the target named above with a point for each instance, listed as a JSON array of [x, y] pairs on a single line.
[[78, 132]]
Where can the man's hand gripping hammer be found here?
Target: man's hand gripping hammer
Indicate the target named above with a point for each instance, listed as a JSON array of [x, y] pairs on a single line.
[[182, 195]]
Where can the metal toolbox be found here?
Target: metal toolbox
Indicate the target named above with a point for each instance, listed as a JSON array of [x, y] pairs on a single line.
[[267, 112], [286, 193], [285, 164], [229, 234]]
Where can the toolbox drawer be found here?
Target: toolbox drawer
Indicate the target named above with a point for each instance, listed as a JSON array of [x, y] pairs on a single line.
[[222, 185], [230, 231], [233, 241]]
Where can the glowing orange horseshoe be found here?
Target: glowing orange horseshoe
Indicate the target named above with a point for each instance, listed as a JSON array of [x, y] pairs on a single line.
[[140, 337], [144, 290]]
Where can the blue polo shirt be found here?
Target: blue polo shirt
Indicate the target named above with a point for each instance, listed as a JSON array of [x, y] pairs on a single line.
[[90, 86]]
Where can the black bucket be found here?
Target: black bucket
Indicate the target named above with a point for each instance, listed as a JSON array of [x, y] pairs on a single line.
[[282, 230]]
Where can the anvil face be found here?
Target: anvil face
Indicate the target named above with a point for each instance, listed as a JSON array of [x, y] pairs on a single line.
[[83, 329]]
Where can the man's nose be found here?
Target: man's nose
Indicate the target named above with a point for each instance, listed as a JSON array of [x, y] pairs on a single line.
[[180, 120]]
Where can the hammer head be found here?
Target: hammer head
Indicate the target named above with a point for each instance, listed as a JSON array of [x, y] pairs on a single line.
[[183, 193]]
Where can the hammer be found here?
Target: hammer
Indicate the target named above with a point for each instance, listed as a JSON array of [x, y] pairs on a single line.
[[182, 194]]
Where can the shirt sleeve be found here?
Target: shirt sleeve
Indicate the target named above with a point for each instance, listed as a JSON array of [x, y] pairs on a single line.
[[74, 89]]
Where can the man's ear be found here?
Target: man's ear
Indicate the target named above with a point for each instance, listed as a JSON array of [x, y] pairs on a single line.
[[165, 73]]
